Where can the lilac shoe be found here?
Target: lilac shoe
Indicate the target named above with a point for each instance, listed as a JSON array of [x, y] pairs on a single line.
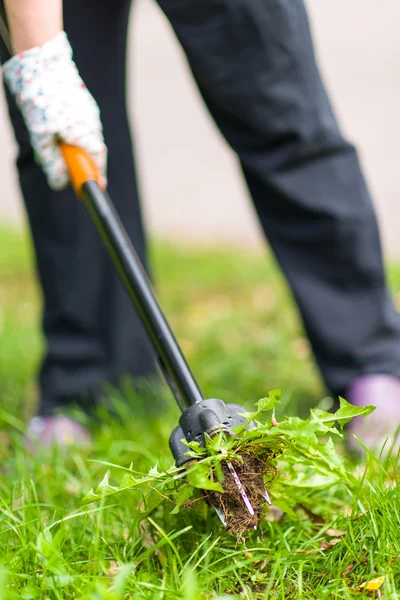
[[382, 391], [56, 431]]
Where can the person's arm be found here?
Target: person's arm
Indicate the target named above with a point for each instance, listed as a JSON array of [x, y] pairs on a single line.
[[47, 87], [32, 23]]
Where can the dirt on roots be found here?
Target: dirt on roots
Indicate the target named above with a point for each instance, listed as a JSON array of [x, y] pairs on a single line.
[[251, 470]]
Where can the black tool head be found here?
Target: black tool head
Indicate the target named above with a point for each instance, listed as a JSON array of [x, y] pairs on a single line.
[[205, 417]]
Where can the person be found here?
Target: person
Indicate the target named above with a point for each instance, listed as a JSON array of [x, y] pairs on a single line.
[[255, 66]]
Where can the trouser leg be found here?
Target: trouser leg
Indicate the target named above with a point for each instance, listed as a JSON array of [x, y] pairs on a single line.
[[254, 63], [92, 333]]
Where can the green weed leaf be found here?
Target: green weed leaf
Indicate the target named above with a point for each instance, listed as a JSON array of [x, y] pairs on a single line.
[[200, 477]]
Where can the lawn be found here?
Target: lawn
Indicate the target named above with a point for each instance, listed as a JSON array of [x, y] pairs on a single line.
[[237, 325]]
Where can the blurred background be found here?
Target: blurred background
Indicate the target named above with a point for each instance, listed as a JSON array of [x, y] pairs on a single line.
[[189, 177]]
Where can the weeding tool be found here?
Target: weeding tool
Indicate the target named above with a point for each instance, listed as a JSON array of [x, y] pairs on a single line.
[[200, 417]]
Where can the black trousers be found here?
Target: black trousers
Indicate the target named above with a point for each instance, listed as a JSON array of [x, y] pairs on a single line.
[[254, 64]]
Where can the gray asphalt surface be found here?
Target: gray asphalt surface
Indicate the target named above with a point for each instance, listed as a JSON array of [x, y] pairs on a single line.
[[191, 186]]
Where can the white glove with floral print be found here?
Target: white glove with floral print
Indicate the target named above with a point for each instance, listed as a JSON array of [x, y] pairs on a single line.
[[55, 105]]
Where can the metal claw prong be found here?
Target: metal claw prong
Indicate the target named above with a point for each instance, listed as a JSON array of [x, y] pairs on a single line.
[[221, 515], [241, 489], [267, 498]]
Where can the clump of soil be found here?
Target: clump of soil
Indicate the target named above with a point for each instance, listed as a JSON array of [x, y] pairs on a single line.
[[251, 470]]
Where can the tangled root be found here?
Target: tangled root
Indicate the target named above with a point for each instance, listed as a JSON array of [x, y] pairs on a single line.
[[251, 470]]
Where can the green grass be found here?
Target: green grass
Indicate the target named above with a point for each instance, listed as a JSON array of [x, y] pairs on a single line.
[[238, 327]]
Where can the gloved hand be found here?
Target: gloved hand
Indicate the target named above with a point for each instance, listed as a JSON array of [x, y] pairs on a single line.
[[55, 105]]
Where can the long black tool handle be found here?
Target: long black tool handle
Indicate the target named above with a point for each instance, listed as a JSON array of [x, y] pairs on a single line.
[[86, 181], [88, 185]]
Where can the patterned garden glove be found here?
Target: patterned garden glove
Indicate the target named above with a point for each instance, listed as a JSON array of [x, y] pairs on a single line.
[[55, 105]]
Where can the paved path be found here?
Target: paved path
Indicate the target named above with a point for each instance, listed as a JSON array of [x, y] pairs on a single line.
[[191, 183]]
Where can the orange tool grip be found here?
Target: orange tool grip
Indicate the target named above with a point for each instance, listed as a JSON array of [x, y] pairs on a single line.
[[81, 167]]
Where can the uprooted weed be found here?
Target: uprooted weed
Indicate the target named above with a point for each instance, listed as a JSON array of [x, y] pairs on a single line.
[[288, 460]]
